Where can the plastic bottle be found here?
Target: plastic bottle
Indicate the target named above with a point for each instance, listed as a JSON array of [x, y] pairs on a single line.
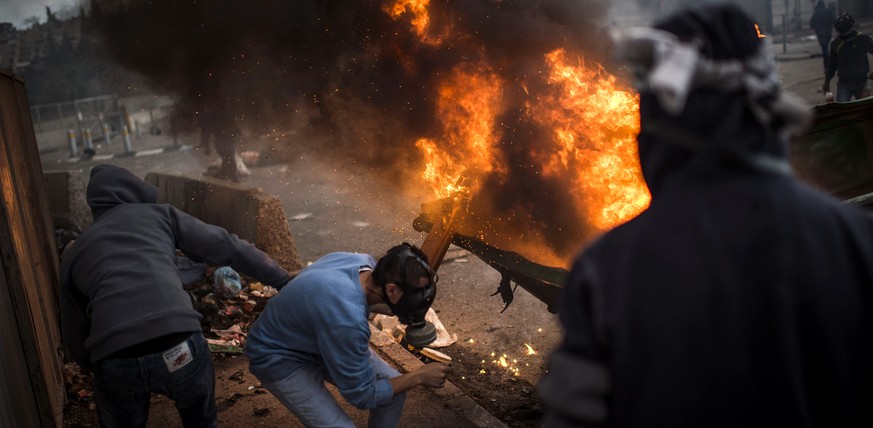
[[226, 283]]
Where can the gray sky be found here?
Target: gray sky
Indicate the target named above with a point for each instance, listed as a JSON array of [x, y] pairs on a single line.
[[16, 11]]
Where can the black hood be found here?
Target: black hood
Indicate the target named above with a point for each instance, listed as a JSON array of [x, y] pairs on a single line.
[[715, 118], [111, 186]]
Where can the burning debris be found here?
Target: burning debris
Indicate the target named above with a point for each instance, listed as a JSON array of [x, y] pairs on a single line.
[[507, 103]]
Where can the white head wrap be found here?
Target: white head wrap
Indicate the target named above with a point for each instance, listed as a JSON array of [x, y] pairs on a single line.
[[670, 69]]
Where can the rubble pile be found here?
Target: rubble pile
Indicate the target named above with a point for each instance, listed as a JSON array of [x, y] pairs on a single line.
[[228, 315]]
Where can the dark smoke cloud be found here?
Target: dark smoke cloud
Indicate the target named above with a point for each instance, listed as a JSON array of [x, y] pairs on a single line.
[[359, 77]]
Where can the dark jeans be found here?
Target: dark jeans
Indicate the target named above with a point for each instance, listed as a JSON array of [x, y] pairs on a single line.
[[123, 386], [846, 91]]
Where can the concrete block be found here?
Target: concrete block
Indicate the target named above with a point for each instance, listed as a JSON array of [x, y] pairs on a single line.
[[66, 197], [244, 211]]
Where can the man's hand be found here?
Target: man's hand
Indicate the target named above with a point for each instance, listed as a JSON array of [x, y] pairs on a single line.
[[433, 375], [826, 87]]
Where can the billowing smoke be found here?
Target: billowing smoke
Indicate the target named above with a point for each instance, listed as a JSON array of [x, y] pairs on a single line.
[[362, 79]]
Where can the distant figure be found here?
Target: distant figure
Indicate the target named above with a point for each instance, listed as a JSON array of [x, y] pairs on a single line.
[[848, 60], [741, 297], [822, 21], [218, 129]]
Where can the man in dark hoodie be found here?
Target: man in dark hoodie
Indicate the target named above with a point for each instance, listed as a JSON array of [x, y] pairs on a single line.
[[848, 60], [741, 297], [124, 312]]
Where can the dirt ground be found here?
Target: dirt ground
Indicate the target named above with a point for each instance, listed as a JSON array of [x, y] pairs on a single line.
[[497, 358]]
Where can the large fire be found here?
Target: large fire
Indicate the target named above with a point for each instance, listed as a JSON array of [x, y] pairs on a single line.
[[591, 120]]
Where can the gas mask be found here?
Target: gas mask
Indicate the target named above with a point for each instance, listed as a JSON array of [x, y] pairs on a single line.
[[845, 23], [416, 300]]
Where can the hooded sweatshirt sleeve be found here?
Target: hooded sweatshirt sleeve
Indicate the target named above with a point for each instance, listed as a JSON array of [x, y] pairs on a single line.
[[216, 246]]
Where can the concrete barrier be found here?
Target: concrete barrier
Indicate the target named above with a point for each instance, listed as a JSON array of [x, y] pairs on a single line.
[[247, 212], [66, 197]]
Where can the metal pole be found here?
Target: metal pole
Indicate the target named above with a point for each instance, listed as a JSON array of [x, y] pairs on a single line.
[[38, 120], [79, 124], [71, 140], [125, 136], [104, 128], [107, 136], [89, 145], [785, 29]]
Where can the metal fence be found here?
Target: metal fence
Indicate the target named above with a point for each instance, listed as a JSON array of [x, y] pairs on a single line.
[[94, 114]]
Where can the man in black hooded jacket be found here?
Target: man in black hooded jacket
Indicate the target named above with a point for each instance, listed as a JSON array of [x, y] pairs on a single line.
[[848, 60], [741, 297], [124, 313]]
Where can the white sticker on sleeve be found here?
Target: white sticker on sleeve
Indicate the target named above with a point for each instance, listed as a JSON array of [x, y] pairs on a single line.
[[177, 357]]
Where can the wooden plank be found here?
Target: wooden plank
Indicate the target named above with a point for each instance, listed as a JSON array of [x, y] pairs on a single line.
[[17, 399], [44, 254], [29, 256]]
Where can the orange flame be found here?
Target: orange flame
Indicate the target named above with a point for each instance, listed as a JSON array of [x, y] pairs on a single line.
[[420, 19], [595, 126], [760, 34], [467, 105], [593, 123]]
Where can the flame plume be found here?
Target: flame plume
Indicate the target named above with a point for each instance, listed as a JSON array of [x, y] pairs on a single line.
[[586, 124]]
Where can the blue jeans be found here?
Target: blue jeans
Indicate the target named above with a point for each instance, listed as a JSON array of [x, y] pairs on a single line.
[[846, 91], [123, 386], [304, 393]]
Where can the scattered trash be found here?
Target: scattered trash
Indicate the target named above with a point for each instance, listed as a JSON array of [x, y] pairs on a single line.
[[249, 306], [237, 376], [391, 326], [226, 282], [435, 355], [225, 349], [233, 311], [360, 224], [209, 299], [234, 336], [301, 216], [78, 386]]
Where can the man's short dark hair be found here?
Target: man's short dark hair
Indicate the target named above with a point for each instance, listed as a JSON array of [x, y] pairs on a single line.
[[402, 265]]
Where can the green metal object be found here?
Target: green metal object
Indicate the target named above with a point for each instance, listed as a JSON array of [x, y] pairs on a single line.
[[543, 282]]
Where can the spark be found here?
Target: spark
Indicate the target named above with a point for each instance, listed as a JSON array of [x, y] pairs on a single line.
[[530, 349]]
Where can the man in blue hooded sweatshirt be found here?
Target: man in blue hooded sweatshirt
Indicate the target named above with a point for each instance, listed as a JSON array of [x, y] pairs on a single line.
[[124, 313], [741, 297]]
